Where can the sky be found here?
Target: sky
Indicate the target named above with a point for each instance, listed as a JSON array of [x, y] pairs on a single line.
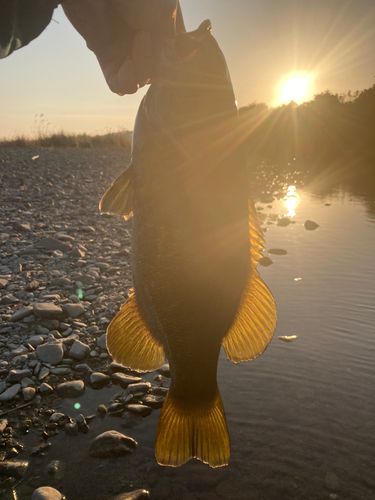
[[329, 43]]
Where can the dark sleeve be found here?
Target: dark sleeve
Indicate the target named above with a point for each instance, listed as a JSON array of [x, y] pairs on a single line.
[[21, 21]]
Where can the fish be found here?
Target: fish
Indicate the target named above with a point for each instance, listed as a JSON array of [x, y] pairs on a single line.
[[196, 242]]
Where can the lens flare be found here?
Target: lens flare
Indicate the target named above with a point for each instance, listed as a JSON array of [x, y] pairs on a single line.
[[295, 89], [291, 201], [77, 406]]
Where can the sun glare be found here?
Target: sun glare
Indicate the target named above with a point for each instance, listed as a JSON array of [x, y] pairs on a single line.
[[295, 88]]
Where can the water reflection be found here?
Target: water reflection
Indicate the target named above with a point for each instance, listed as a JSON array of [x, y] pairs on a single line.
[[291, 201]]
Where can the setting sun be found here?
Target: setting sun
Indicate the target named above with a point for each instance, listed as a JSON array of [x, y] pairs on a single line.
[[295, 89]]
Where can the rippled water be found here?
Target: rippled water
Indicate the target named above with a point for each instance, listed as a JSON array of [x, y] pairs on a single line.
[[302, 416]]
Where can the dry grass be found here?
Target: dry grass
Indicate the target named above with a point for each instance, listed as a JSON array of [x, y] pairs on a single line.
[[42, 137]]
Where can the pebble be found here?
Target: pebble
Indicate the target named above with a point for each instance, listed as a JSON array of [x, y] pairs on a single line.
[[73, 310], [79, 350], [71, 429], [47, 310], [22, 313], [130, 419], [133, 495], [110, 444], [164, 370], [46, 493], [311, 225], [10, 393], [101, 341], [124, 380], [142, 410], [17, 375], [15, 469], [52, 244], [72, 389], [102, 410], [45, 389], [99, 380], [28, 393], [141, 387], [51, 352]]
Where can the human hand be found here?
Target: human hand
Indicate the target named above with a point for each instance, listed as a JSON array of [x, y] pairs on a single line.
[[119, 33]]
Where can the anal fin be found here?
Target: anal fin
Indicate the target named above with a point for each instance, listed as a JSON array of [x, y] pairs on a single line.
[[186, 431], [255, 321], [119, 199], [130, 342]]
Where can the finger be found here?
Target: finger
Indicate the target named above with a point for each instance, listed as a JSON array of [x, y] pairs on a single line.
[[127, 82], [142, 57]]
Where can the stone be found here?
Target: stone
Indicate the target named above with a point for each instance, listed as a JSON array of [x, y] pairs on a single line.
[[311, 225], [133, 495], [56, 418], [73, 310], [28, 393], [130, 419], [8, 300], [51, 353], [71, 429], [283, 222], [164, 370], [47, 310], [17, 375], [72, 389], [62, 282], [265, 261], [141, 388], [33, 285], [101, 341], [110, 444], [83, 368], [21, 313], [99, 380], [3, 283], [35, 340], [10, 393], [15, 469], [45, 389], [46, 493], [79, 350], [102, 410], [124, 380], [3, 424], [154, 402], [277, 251], [332, 482], [44, 372], [52, 244], [142, 410]]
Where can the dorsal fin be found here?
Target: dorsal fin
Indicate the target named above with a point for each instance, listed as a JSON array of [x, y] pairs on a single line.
[[255, 321], [130, 342]]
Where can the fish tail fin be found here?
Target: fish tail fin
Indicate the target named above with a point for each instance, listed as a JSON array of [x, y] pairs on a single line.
[[186, 431]]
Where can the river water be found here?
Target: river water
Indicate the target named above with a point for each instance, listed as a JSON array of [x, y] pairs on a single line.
[[302, 416]]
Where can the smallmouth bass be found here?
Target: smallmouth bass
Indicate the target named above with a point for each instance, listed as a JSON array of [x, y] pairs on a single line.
[[195, 247]]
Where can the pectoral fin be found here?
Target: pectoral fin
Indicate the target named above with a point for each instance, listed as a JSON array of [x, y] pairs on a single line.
[[119, 199], [129, 341], [255, 321]]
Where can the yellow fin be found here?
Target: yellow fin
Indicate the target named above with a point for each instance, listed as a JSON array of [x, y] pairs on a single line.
[[129, 341], [119, 198], [186, 432], [255, 321]]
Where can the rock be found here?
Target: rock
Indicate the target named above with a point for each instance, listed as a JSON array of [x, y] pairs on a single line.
[[277, 251], [51, 324], [99, 380], [3, 424], [56, 418], [71, 429], [17, 375], [3, 283], [76, 252], [130, 419], [124, 380], [41, 330], [79, 350], [133, 495], [82, 424], [164, 370], [21, 313], [15, 469], [51, 352], [46, 493], [3, 386], [111, 443], [153, 401], [8, 300], [102, 410], [265, 261], [44, 372], [52, 244], [28, 393], [33, 285], [10, 393], [83, 368], [310, 225], [72, 389], [101, 341], [47, 310], [73, 310], [140, 388], [142, 410], [332, 482], [35, 340], [55, 469], [18, 226], [45, 389], [283, 222]]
